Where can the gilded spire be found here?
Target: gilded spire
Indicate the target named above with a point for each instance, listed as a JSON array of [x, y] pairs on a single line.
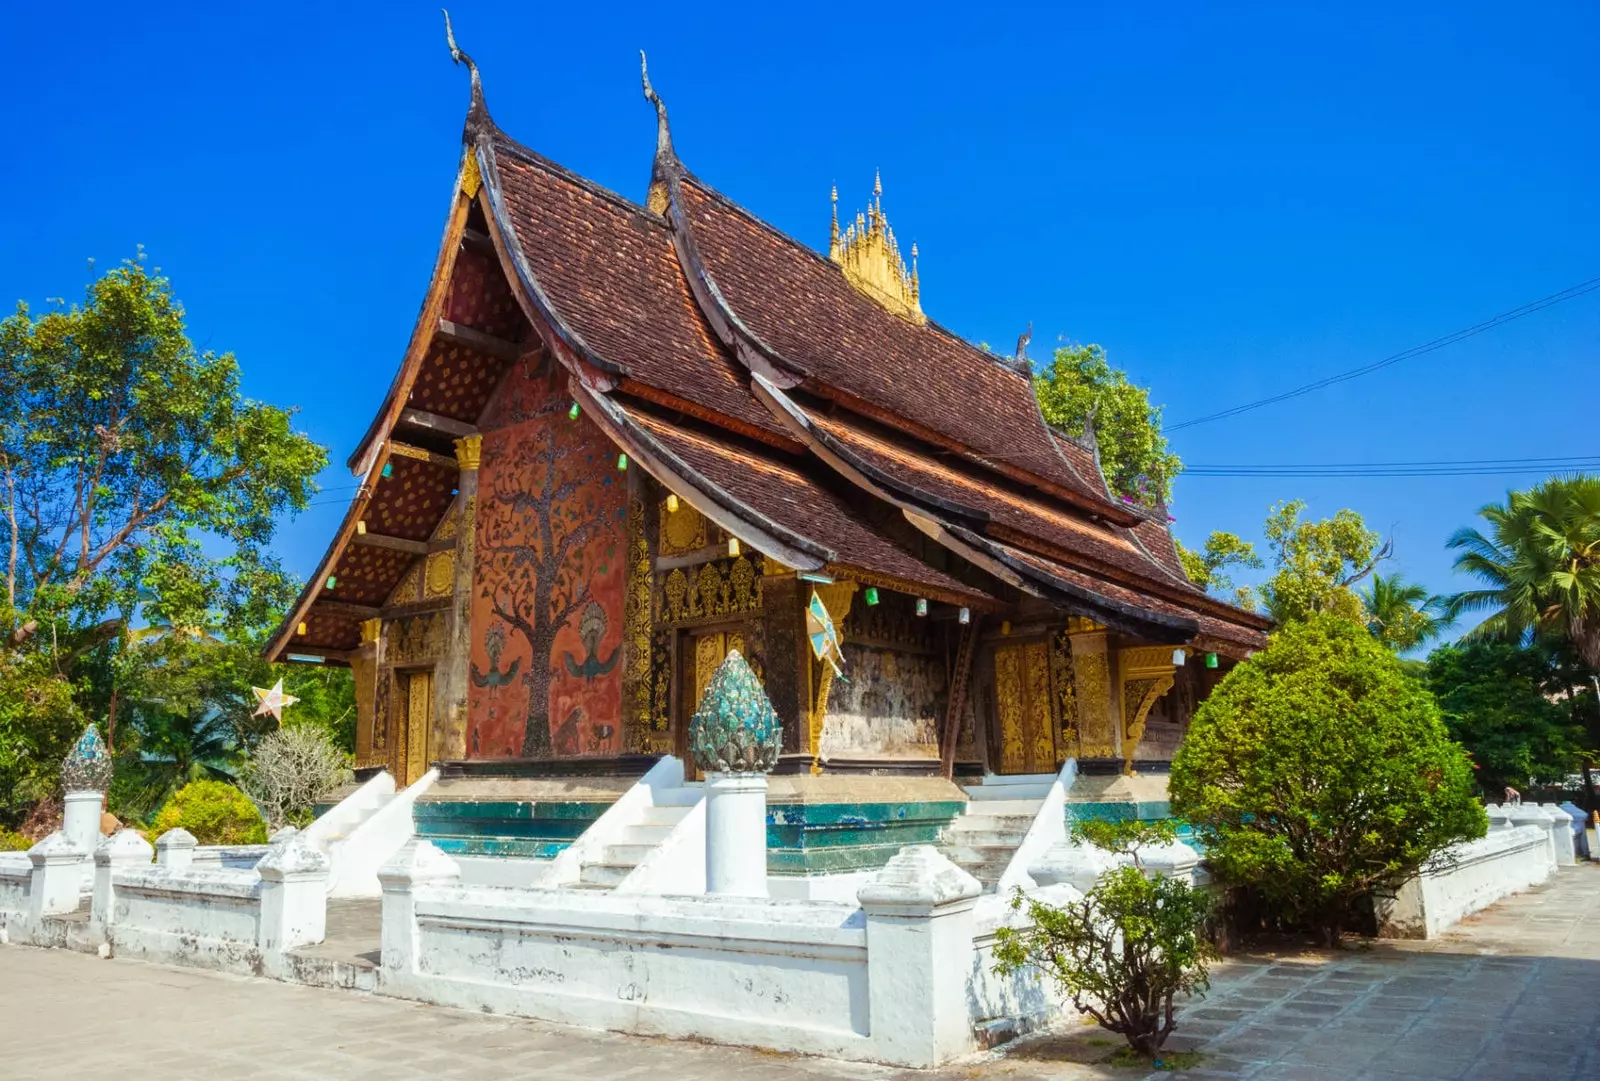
[[869, 256]]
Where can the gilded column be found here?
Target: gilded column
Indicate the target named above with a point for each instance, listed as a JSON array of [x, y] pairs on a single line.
[[453, 673], [364, 670], [1092, 686]]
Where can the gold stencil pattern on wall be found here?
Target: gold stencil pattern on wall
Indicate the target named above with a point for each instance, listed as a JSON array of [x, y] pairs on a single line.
[[439, 580], [709, 652], [420, 638], [1147, 674], [1092, 688], [636, 634], [717, 590], [1022, 691], [1063, 694], [419, 718], [682, 530], [410, 587]]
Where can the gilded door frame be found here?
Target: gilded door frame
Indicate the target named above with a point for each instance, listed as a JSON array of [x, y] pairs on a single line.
[[408, 764], [996, 696]]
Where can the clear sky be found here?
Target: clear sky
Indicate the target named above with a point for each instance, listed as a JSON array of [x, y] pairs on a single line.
[[1231, 199]]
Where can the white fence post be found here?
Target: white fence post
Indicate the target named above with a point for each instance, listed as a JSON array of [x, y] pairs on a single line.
[[919, 957], [175, 848], [125, 848], [736, 834], [294, 897], [57, 877], [1561, 835], [417, 863]]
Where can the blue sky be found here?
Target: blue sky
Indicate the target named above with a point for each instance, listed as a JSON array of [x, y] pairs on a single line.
[[1231, 199]]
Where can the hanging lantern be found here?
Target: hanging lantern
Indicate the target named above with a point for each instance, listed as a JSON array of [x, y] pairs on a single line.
[[572, 414], [672, 503], [733, 546], [1005, 626], [965, 617], [922, 606], [1178, 658], [361, 527], [388, 469], [332, 581], [1211, 660], [302, 628], [872, 595], [622, 461]]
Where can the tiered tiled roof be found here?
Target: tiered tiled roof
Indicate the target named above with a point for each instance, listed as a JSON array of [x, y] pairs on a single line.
[[665, 323]]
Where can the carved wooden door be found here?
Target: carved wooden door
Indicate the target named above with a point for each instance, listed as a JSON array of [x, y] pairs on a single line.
[[1027, 742], [418, 725]]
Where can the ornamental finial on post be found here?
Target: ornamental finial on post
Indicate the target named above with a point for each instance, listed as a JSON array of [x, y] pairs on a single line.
[[87, 767], [735, 729]]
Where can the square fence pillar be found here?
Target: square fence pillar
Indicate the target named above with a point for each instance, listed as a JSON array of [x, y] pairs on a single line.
[[122, 849], [175, 848], [919, 957], [294, 896], [1561, 835], [58, 877], [418, 863]]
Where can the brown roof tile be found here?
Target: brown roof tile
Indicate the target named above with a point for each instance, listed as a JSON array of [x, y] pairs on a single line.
[[778, 487], [609, 269], [800, 305]]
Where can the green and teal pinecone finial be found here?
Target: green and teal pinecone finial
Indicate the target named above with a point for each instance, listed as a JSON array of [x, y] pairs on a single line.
[[87, 768], [735, 729]]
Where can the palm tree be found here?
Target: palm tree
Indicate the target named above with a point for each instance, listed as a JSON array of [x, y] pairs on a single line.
[[1540, 564], [1403, 615]]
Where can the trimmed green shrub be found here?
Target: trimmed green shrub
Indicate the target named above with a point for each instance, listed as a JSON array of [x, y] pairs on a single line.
[[1319, 773], [215, 812], [1127, 949], [12, 841]]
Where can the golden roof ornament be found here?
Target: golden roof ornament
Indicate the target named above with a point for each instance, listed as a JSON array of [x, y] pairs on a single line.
[[869, 256]]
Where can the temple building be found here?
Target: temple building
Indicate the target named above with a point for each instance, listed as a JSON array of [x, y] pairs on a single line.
[[628, 437]]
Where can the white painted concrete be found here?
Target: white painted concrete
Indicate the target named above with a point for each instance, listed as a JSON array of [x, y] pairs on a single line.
[[677, 863], [736, 834], [1468, 877], [80, 818], [354, 857], [341, 820], [1561, 835], [611, 827], [1048, 830]]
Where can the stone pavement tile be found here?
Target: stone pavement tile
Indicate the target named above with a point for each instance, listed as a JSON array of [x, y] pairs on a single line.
[[1291, 1071]]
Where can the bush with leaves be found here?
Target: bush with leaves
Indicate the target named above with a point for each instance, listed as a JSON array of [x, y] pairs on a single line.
[[1319, 772], [290, 770], [12, 841], [216, 813], [1127, 949], [38, 723]]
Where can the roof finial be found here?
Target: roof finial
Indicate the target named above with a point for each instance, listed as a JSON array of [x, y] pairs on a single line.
[[478, 121], [666, 157], [1022, 344], [833, 235]]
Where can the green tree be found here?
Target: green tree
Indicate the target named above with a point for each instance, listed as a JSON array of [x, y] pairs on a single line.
[[1319, 772], [39, 720], [216, 813], [1540, 565], [1496, 702], [1208, 567], [1133, 452], [122, 447], [1317, 563], [1402, 615]]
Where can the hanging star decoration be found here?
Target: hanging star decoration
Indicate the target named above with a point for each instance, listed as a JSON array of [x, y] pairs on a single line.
[[274, 701], [823, 634]]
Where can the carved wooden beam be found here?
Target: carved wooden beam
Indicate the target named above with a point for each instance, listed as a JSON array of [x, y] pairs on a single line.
[[956, 701], [414, 608], [398, 544], [344, 608], [479, 341], [421, 418], [472, 238], [692, 559], [406, 450]]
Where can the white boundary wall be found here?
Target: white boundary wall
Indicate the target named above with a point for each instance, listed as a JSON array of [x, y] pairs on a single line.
[[1467, 878]]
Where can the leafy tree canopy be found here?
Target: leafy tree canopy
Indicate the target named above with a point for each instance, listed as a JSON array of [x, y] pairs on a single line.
[[1497, 703], [1319, 771], [1317, 563], [1133, 452], [1402, 615], [1208, 567], [1540, 565], [122, 449]]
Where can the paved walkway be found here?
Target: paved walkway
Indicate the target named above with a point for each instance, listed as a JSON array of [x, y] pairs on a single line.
[[1512, 994]]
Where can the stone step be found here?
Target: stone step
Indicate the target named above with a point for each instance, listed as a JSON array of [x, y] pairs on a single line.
[[1029, 807], [994, 787], [975, 835], [626, 854], [965, 853], [987, 872], [603, 874], [663, 815], [677, 797], [645, 835], [1012, 823]]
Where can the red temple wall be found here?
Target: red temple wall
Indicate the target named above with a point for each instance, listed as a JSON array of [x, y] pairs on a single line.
[[548, 580]]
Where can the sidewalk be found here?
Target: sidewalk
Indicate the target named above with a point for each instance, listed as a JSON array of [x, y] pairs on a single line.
[[1514, 993]]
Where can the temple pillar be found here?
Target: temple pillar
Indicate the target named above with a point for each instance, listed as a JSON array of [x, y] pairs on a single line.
[[364, 672], [1091, 676], [452, 675], [787, 677]]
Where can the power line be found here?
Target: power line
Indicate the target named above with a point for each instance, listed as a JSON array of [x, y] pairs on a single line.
[[1472, 467], [1572, 292]]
